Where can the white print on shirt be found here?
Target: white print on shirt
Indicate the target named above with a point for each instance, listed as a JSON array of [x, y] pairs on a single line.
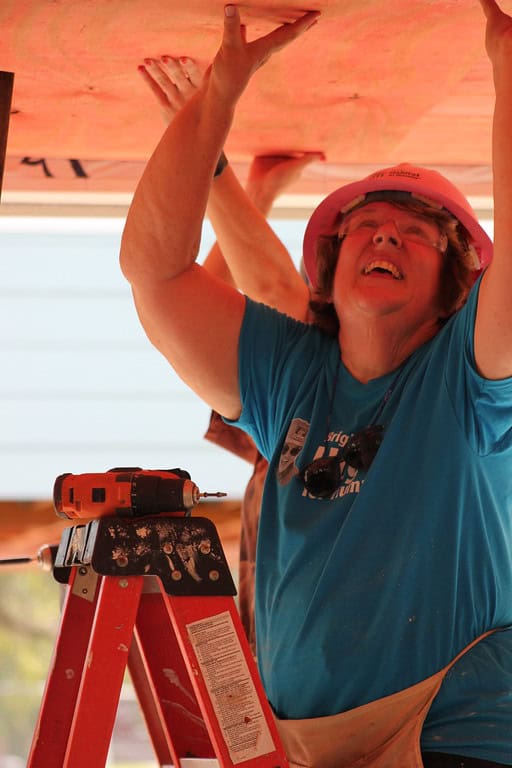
[[349, 481], [292, 446]]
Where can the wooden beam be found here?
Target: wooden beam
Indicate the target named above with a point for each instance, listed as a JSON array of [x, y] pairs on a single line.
[[6, 86]]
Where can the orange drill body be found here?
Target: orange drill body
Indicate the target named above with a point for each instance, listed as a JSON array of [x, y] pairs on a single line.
[[129, 492]]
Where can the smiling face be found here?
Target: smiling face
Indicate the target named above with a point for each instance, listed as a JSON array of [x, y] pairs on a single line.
[[390, 261]]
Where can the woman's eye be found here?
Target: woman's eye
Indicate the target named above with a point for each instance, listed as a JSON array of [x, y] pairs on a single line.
[[418, 231], [366, 224]]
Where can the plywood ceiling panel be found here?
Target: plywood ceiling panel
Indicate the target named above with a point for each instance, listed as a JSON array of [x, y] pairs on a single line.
[[374, 82]]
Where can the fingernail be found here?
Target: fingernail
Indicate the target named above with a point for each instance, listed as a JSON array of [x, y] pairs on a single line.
[[229, 10], [184, 59], [165, 59], [141, 68], [148, 62]]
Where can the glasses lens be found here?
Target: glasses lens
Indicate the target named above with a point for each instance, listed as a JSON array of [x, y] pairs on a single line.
[[411, 227], [362, 447], [322, 477]]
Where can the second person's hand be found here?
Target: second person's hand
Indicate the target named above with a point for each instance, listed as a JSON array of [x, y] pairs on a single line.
[[172, 81]]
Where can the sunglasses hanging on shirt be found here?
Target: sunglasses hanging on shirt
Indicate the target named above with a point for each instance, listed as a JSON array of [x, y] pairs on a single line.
[[322, 477]]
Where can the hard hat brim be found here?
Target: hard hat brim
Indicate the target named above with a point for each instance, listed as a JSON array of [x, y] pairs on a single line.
[[422, 182]]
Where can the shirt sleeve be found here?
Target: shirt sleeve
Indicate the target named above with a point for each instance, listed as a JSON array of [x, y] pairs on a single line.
[[483, 406], [278, 360]]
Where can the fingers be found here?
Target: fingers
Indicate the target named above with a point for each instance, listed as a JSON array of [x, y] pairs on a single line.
[[177, 77], [493, 12], [293, 160], [300, 162], [153, 85], [274, 173], [237, 60], [172, 81], [234, 32], [286, 33], [498, 34], [309, 157], [192, 71], [489, 7]]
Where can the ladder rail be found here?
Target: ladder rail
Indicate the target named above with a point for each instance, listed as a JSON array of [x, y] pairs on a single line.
[[190, 662]]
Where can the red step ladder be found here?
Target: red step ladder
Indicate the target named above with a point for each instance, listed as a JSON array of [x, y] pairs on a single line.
[[155, 595]]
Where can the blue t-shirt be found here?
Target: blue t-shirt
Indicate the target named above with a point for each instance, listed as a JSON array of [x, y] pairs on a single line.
[[380, 586]]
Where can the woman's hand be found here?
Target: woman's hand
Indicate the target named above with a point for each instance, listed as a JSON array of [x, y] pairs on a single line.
[[237, 59], [172, 81], [498, 36]]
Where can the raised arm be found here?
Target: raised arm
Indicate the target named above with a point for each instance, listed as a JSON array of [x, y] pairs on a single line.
[[191, 317], [173, 82], [250, 255], [258, 261], [493, 332]]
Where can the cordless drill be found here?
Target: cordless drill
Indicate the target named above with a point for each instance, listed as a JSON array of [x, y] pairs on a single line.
[[127, 492]]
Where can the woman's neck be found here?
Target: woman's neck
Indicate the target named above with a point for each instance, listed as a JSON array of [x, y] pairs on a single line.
[[372, 350]]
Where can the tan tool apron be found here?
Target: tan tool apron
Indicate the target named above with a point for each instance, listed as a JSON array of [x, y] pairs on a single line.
[[382, 734]]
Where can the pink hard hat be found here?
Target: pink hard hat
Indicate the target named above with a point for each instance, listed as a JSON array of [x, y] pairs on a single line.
[[426, 185]]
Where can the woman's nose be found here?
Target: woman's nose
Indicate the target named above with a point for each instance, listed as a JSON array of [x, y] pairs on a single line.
[[388, 232]]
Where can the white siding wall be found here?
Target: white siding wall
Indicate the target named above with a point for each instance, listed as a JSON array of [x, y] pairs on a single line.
[[81, 388]]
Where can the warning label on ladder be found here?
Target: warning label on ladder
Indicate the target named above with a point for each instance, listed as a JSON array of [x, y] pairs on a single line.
[[231, 688]]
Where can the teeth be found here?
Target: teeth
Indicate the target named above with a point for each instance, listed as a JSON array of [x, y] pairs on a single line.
[[386, 265]]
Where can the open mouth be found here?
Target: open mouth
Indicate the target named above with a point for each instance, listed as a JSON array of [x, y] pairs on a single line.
[[382, 267]]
